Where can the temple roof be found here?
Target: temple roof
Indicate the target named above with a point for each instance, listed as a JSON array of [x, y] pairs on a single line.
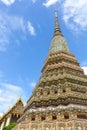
[[11, 108], [58, 42]]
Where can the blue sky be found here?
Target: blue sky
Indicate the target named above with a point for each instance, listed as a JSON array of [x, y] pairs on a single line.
[[26, 30]]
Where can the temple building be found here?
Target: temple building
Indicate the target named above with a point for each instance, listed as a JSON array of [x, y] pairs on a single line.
[[59, 100], [12, 115]]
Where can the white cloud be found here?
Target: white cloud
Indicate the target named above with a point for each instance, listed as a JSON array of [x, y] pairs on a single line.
[[75, 14], [85, 69], [31, 28], [11, 87], [9, 93], [8, 2], [50, 2], [10, 26]]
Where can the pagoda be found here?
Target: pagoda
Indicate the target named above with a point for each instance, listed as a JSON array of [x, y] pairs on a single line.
[[59, 100]]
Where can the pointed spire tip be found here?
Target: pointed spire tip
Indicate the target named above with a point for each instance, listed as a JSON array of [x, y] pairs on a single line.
[[57, 30]]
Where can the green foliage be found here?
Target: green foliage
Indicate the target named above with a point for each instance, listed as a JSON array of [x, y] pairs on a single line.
[[9, 127]]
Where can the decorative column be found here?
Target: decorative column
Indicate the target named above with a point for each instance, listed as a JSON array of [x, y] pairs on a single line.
[[2, 125], [73, 125], [49, 116], [58, 116], [8, 121], [36, 117]]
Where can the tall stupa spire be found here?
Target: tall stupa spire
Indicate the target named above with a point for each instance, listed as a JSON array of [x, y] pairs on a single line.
[[57, 30], [58, 42]]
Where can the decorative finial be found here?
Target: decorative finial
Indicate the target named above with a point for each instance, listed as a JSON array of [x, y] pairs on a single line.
[[55, 11], [57, 30]]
